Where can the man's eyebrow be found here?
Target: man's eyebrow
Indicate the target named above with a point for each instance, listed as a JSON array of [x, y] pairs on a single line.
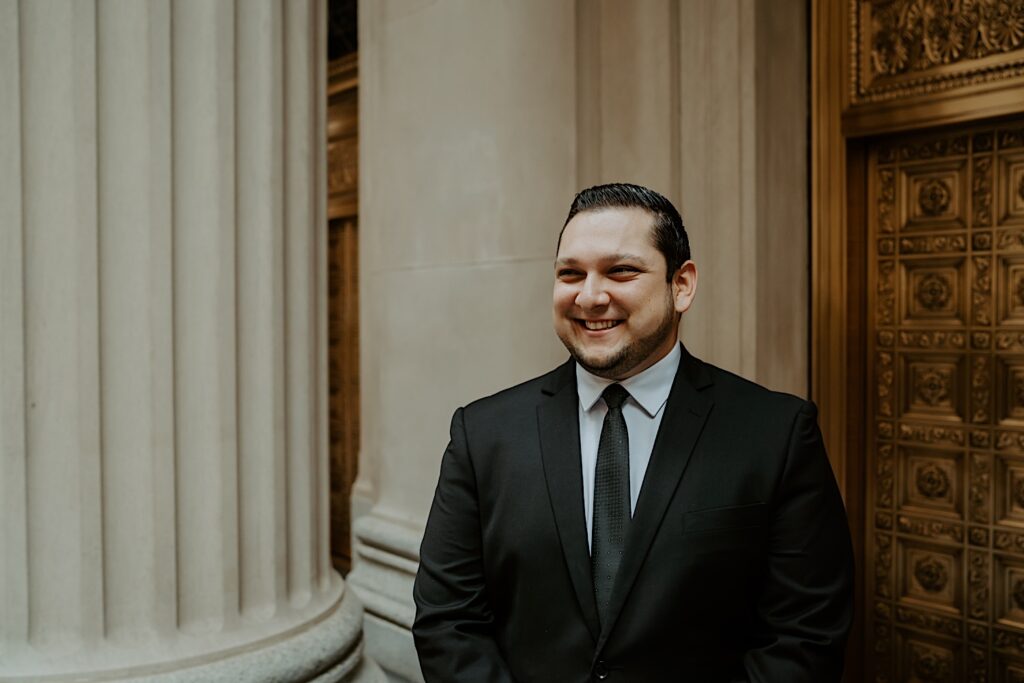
[[570, 261]]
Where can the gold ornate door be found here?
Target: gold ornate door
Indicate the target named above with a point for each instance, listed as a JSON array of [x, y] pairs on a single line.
[[945, 465]]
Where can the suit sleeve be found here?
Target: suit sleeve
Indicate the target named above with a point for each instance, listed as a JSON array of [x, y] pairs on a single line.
[[453, 629], [806, 606]]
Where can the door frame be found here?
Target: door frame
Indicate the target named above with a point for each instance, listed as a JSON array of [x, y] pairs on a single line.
[[841, 122]]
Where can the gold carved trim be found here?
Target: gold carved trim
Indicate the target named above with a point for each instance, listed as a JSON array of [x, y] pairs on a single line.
[[904, 48]]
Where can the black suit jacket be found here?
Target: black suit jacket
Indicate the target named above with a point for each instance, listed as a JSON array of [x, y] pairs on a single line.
[[738, 563]]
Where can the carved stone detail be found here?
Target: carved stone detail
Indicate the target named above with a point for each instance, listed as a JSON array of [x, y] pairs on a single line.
[[981, 340], [886, 378], [883, 520], [934, 291], [886, 200], [977, 665], [886, 311], [929, 622], [931, 435], [978, 585], [930, 340], [933, 385], [981, 474], [1008, 640], [978, 535], [932, 481], [1006, 341], [931, 574], [933, 244], [1018, 593], [1009, 441], [981, 388], [909, 45], [934, 197], [1010, 240], [1005, 540], [943, 531], [886, 468], [931, 148], [981, 438], [886, 338], [981, 290], [883, 565], [1011, 137], [931, 664], [981, 192], [981, 241], [886, 246]]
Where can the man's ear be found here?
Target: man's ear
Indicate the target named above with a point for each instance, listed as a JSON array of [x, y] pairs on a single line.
[[684, 286]]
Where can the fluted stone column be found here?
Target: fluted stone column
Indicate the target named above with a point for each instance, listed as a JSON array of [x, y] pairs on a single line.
[[163, 470]]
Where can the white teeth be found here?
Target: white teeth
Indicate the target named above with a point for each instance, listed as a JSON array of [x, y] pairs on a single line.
[[600, 324]]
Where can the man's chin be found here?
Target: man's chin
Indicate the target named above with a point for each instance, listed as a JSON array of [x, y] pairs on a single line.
[[606, 365]]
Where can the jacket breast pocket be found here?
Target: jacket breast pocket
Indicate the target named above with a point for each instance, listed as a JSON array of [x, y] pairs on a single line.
[[739, 519]]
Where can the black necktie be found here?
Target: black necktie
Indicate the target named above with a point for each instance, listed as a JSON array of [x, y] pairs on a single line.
[[611, 499]]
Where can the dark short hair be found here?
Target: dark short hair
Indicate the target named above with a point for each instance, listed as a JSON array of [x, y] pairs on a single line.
[[668, 232]]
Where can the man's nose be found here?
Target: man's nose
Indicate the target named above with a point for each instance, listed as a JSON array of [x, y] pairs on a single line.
[[592, 294]]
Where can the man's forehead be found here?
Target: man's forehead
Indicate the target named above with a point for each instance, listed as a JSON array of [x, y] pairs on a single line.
[[619, 257], [622, 229]]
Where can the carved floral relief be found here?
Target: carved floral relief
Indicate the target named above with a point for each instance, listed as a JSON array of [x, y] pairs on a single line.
[[938, 41]]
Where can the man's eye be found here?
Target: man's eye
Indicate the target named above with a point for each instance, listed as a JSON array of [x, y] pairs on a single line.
[[568, 274], [624, 270]]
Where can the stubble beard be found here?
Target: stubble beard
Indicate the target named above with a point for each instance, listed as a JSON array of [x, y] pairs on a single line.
[[621, 362]]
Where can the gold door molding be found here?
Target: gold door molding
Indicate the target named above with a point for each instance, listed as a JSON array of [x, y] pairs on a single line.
[[343, 297], [945, 451], [905, 48], [880, 67]]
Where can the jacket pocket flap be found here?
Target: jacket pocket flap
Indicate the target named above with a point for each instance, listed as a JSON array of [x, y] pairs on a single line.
[[732, 517]]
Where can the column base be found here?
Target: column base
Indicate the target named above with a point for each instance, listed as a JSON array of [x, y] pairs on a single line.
[[386, 558], [328, 649]]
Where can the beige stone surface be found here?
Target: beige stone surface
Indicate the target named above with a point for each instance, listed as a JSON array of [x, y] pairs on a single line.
[[479, 122], [743, 122]]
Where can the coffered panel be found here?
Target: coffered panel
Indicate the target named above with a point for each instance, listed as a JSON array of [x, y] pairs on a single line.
[[1009, 490], [931, 575], [932, 291], [1010, 290], [1010, 194], [931, 481], [934, 386], [935, 196], [1009, 591], [927, 659]]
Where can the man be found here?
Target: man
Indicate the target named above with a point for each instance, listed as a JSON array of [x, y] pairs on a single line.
[[636, 514]]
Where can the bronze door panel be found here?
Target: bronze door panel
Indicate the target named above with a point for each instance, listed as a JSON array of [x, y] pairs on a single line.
[[945, 463]]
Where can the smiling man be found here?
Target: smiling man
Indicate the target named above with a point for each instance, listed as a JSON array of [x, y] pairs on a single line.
[[636, 514]]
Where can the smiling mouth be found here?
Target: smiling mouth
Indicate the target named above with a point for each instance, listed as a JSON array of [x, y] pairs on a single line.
[[598, 325]]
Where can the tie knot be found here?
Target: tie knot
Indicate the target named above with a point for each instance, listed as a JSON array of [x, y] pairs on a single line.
[[614, 395]]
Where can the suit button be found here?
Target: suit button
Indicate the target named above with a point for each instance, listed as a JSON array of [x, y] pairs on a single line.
[[601, 671]]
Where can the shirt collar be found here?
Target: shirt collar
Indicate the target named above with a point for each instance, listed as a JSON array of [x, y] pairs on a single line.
[[649, 388]]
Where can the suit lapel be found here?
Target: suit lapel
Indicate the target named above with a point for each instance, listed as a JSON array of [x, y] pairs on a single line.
[[558, 421], [685, 414]]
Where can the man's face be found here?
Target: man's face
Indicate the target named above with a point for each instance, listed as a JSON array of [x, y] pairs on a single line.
[[614, 309]]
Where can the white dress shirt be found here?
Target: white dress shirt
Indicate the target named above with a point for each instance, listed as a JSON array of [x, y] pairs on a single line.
[[643, 410]]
